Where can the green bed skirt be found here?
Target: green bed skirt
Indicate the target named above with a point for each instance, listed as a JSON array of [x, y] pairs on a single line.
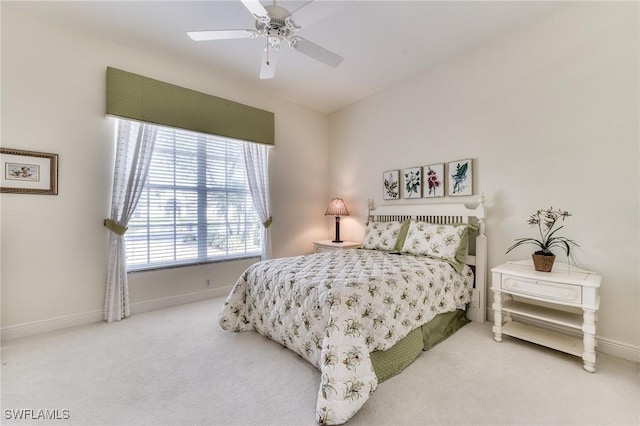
[[392, 361]]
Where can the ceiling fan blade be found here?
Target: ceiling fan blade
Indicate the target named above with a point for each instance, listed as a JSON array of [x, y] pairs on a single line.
[[255, 7], [269, 61], [316, 52], [221, 34], [314, 11]]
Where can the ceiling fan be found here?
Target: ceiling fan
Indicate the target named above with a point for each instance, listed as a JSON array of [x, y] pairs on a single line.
[[275, 24]]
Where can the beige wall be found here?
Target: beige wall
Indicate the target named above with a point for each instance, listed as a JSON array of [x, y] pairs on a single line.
[[54, 248], [549, 114]]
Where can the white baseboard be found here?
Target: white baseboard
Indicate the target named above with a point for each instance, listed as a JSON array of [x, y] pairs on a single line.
[[68, 321], [618, 349], [181, 299], [603, 345], [53, 324]]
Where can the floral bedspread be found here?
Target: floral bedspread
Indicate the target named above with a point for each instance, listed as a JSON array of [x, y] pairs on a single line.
[[334, 308]]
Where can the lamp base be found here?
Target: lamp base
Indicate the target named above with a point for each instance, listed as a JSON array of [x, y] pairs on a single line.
[[337, 238]]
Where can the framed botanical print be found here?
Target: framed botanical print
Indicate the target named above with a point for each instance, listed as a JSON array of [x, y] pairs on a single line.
[[391, 185], [433, 180], [460, 177], [28, 172], [412, 187]]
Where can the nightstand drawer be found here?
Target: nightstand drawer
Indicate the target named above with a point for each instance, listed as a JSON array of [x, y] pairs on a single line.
[[328, 245], [323, 249], [543, 289]]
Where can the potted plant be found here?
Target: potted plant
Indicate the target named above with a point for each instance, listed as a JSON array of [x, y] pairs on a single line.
[[546, 221]]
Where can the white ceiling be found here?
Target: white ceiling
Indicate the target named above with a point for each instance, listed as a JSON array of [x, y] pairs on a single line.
[[383, 42]]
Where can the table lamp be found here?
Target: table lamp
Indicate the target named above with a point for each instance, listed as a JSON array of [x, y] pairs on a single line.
[[337, 208]]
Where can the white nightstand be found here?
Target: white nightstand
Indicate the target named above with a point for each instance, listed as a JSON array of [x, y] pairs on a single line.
[[328, 245], [564, 286]]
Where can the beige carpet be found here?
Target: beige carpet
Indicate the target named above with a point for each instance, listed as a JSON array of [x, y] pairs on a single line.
[[177, 367]]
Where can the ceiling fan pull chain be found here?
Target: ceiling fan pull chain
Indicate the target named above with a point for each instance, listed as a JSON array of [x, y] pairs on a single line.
[[267, 52]]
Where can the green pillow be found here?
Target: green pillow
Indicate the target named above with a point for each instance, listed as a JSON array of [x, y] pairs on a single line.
[[461, 253], [402, 235]]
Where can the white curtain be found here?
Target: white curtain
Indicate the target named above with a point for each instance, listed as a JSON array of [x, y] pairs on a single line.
[[256, 159], [133, 156]]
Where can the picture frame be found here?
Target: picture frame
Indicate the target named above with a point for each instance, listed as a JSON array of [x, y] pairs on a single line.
[[28, 172], [433, 180], [391, 185], [460, 177], [412, 187]]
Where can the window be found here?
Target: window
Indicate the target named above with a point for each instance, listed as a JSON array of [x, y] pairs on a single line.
[[196, 205]]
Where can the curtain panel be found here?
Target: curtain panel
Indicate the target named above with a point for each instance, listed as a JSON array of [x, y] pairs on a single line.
[[133, 156], [256, 159]]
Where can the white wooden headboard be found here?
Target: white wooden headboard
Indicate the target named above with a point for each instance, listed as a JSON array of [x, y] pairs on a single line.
[[450, 214]]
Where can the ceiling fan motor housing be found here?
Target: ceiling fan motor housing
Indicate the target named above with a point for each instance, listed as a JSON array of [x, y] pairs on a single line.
[[278, 26]]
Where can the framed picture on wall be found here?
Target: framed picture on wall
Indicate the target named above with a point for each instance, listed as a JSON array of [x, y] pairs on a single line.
[[460, 177], [433, 180], [28, 172], [412, 187], [391, 185]]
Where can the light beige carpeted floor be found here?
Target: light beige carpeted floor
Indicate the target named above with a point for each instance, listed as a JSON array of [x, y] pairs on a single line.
[[177, 367]]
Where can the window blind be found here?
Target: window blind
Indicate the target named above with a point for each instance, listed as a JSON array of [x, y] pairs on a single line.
[[196, 205]]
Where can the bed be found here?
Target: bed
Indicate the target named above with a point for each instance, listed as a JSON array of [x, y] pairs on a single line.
[[362, 315]]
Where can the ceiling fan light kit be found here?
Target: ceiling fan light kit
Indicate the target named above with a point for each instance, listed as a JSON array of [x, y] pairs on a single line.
[[275, 24]]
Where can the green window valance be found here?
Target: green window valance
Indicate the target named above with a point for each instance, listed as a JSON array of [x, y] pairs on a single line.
[[142, 98]]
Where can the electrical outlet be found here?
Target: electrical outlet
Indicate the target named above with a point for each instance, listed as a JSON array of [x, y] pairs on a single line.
[[207, 283]]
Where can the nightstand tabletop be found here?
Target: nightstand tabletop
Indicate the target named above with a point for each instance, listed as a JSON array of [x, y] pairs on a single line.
[[562, 272]]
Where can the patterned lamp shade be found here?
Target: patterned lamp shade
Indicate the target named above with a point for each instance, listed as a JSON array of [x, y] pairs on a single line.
[[337, 208]]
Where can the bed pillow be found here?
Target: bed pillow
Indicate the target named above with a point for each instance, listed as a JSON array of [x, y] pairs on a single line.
[[384, 235], [445, 242], [403, 234]]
